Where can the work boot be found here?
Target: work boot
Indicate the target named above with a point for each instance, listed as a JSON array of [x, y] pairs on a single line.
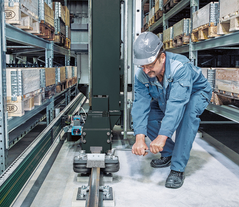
[[162, 162], [175, 179]]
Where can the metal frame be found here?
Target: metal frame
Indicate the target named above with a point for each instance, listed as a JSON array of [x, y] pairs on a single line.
[[125, 66], [3, 123], [137, 24]]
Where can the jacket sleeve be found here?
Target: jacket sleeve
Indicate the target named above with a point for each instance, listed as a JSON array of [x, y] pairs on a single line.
[[179, 96], [141, 108]]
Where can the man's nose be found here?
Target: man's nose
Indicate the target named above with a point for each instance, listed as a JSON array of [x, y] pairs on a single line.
[[146, 70]]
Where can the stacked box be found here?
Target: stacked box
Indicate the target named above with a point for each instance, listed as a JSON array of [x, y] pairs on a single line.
[[228, 8], [74, 74], [158, 5], [31, 6], [209, 73], [69, 80], [22, 80], [74, 71], [60, 79], [160, 35], [50, 76], [46, 14], [23, 14], [60, 27], [60, 19], [147, 19], [62, 71], [69, 72], [67, 16], [68, 32], [23, 86], [182, 28], [151, 14], [168, 34], [206, 15], [59, 11], [229, 17], [227, 80], [204, 72]]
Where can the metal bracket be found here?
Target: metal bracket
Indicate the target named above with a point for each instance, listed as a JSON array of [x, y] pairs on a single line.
[[84, 190], [16, 84], [67, 58], [50, 112], [49, 54], [95, 160], [43, 79]]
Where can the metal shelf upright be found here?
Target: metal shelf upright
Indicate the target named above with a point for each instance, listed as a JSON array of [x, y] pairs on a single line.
[[3, 122]]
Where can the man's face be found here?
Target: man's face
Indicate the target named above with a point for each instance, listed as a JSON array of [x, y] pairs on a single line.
[[156, 68]]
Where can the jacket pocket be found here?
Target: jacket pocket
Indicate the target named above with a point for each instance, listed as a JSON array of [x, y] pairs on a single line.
[[181, 89], [184, 83]]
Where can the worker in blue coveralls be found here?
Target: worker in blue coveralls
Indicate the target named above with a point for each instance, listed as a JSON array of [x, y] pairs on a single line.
[[170, 95]]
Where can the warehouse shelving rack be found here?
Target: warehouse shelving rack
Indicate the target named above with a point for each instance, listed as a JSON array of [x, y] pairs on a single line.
[[11, 34], [221, 42]]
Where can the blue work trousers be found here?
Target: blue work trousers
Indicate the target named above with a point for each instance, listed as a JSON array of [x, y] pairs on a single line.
[[185, 132]]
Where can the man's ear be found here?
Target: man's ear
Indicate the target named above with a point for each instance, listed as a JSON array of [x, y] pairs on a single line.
[[163, 58]]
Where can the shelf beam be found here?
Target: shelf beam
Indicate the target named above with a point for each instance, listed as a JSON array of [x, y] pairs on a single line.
[[182, 49], [222, 41], [176, 9], [225, 111], [19, 36]]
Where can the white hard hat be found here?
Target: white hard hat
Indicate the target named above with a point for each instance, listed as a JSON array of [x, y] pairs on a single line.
[[146, 48]]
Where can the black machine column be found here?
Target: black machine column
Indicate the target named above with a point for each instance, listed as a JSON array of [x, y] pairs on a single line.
[[105, 84]]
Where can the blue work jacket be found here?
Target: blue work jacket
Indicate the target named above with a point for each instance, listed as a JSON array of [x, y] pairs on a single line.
[[181, 79]]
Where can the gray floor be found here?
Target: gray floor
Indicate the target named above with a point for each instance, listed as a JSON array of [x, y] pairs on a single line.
[[212, 180]]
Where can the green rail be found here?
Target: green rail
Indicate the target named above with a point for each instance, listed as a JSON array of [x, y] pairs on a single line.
[[14, 179]]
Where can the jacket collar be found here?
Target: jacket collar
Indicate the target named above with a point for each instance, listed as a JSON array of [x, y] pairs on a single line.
[[167, 74]]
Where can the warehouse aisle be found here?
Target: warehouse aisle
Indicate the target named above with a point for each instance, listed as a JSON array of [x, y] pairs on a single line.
[[212, 180]]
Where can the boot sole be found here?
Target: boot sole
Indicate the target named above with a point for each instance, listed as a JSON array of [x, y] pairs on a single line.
[[160, 166]]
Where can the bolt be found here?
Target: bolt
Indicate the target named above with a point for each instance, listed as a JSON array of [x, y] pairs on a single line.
[[84, 141], [84, 133], [108, 133], [108, 141]]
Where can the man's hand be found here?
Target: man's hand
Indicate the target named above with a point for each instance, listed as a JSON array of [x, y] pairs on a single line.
[[158, 144], [140, 146]]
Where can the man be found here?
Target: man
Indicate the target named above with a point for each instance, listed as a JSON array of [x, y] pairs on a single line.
[[170, 95]]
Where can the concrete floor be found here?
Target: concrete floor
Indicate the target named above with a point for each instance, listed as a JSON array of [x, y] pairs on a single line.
[[212, 180]]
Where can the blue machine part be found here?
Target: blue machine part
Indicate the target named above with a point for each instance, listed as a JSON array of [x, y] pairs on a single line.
[[76, 130], [77, 117]]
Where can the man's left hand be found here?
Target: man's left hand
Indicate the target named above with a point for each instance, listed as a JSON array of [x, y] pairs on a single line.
[[158, 144]]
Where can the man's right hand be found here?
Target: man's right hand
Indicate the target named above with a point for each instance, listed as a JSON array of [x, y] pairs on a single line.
[[140, 146]]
